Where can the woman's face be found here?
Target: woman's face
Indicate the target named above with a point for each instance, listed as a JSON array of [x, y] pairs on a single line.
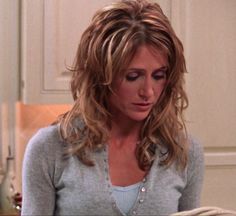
[[138, 90]]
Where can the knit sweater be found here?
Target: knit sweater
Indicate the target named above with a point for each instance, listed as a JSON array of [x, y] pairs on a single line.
[[58, 185]]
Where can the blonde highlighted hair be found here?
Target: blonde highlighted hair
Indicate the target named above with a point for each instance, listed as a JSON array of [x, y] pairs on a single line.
[[105, 50]]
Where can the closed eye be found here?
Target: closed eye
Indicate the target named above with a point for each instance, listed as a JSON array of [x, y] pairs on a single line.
[[132, 76], [160, 74]]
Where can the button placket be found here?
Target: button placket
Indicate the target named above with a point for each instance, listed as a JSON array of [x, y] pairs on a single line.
[[142, 194], [141, 198], [106, 169]]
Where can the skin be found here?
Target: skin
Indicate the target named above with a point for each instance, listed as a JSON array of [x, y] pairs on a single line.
[[135, 94], [141, 86]]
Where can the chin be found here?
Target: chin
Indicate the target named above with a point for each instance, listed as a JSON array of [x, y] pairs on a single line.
[[139, 118]]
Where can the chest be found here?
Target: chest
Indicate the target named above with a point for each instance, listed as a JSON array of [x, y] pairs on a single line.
[[124, 170], [84, 190]]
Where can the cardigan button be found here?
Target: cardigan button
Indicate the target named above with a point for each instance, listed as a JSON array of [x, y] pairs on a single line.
[[141, 201], [143, 189], [134, 212]]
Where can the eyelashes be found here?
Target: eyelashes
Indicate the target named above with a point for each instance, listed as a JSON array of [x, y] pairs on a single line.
[[157, 75], [132, 76]]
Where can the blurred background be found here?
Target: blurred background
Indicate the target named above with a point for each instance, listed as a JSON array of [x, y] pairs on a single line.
[[39, 38]]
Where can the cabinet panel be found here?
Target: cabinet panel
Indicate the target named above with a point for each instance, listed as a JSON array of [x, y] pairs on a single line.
[[210, 47], [51, 30], [219, 188], [64, 23], [32, 57]]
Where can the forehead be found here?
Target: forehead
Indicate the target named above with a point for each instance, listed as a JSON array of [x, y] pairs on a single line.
[[146, 55]]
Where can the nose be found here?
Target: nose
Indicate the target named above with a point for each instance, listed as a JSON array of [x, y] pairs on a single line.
[[146, 90]]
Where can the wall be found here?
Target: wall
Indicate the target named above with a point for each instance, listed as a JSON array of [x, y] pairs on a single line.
[[9, 74]]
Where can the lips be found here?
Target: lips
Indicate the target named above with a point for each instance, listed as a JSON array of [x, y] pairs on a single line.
[[143, 106]]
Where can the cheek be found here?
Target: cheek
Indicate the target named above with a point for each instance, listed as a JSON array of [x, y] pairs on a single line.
[[159, 89], [127, 91]]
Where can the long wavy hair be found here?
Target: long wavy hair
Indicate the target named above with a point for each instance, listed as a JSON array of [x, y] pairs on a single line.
[[105, 50]]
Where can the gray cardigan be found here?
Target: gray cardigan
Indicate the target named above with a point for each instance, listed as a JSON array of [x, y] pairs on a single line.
[[53, 185]]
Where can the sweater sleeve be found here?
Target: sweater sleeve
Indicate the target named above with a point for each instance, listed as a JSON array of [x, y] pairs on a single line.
[[195, 171], [38, 174]]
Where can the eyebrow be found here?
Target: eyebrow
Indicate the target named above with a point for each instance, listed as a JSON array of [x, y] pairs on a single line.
[[163, 68]]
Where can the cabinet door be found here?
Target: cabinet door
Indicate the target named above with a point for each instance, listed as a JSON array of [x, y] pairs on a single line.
[[51, 30], [208, 30]]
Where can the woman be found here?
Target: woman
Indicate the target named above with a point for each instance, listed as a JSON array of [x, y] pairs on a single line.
[[123, 148]]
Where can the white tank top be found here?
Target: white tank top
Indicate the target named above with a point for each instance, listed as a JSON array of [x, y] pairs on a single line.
[[125, 197]]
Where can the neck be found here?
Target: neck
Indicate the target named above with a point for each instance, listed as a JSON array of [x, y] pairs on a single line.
[[125, 132]]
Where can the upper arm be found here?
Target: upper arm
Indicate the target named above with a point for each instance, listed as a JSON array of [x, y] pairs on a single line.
[[38, 187], [195, 172]]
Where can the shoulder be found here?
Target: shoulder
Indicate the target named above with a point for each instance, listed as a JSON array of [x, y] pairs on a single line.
[[195, 148], [48, 133], [44, 154], [195, 157], [46, 140]]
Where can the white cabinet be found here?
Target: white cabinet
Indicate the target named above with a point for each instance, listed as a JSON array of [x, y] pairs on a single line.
[[35, 64], [50, 33], [210, 53], [208, 31]]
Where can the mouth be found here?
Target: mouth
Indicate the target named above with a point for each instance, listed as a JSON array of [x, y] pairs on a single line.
[[143, 106]]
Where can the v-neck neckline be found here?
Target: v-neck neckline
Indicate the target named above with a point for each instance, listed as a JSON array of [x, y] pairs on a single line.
[[143, 187]]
